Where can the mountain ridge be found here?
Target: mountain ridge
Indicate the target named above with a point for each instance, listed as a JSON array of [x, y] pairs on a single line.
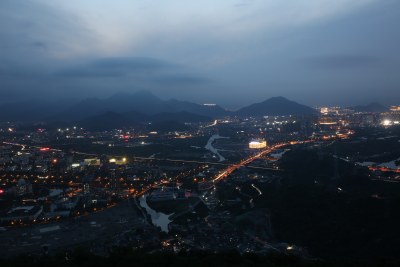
[[144, 104], [114, 120], [276, 106]]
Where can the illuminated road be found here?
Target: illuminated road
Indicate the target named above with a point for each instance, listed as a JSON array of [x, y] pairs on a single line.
[[244, 162], [256, 188], [231, 167], [234, 167], [203, 162], [38, 147], [213, 124]]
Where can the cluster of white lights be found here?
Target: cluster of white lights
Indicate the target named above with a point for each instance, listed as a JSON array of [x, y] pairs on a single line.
[[389, 122]]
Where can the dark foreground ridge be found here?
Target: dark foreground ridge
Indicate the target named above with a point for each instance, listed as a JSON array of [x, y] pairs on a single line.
[[127, 257]]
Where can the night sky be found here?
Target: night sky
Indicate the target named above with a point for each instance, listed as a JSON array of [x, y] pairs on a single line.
[[316, 52]]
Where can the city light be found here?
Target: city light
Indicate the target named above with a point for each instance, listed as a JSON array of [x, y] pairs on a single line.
[[386, 122], [257, 144]]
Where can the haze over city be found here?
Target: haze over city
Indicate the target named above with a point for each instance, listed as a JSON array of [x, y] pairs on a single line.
[[228, 52]]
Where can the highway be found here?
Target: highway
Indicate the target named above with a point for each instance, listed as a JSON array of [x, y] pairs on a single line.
[[231, 167], [244, 162]]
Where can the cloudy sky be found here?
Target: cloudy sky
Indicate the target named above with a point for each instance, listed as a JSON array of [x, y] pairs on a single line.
[[230, 52]]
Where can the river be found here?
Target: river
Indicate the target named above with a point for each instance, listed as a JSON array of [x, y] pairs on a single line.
[[213, 149], [157, 218]]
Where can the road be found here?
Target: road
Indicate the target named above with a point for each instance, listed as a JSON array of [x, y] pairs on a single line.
[[231, 167], [244, 162]]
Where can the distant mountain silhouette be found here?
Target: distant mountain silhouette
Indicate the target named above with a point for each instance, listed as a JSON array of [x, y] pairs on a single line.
[[372, 107], [112, 120], [143, 102], [139, 107], [107, 121], [136, 116], [276, 106], [168, 126], [210, 111], [182, 117]]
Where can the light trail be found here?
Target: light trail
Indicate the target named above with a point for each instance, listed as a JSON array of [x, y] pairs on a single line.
[[213, 124], [256, 188]]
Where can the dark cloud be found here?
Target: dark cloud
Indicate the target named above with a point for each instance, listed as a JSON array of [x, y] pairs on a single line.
[[38, 32], [97, 76], [341, 61]]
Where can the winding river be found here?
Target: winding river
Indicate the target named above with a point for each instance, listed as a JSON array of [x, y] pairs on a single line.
[[157, 218]]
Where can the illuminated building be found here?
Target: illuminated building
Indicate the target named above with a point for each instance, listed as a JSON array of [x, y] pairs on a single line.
[[395, 108], [257, 144], [330, 110], [118, 161], [324, 110], [92, 162], [328, 120], [335, 111], [389, 121]]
